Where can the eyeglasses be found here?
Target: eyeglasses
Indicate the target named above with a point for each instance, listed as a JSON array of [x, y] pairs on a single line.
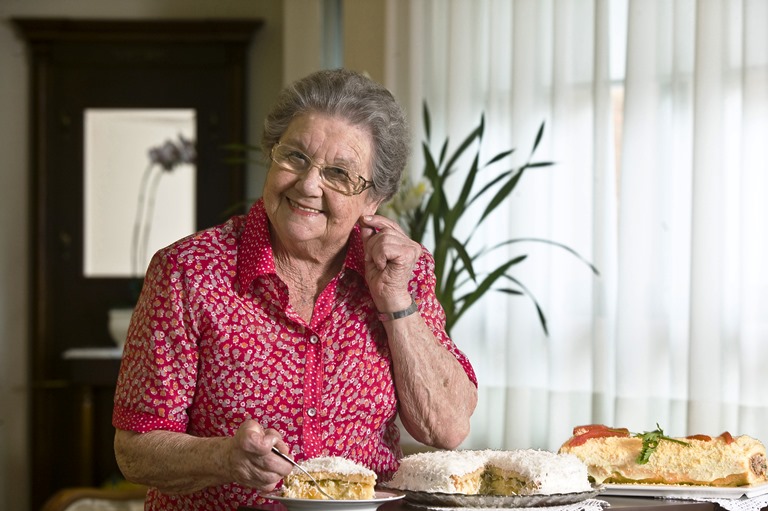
[[335, 177]]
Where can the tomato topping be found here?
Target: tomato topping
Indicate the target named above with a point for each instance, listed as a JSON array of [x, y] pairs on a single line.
[[579, 430], [727, 438], [583, 433], [704, 438]]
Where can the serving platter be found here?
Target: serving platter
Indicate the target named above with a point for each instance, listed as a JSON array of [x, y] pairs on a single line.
[[380, 498], [430, 499], [683, 491]]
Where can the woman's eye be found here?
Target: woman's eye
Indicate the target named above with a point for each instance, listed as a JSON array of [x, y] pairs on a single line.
[[298, 158], [336, 173]]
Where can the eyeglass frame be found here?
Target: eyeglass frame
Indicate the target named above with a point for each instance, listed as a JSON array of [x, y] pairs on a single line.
[[366, 182]]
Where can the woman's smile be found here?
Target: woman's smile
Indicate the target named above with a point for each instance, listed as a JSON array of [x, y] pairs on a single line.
[[299, 207]]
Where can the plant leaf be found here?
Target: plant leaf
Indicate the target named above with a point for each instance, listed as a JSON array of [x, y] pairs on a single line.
[[470, 298], [461, 202], [498, 157], [553, 243], [539, 164], [476, 134], [489, 185], [510, 291], [539, 136], [539, 311], [502, 194], [464, 256], [430, 166]]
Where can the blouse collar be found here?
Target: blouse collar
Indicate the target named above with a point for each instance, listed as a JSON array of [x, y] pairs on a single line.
[[255, 255]]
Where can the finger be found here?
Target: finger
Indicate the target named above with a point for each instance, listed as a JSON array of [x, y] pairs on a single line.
[[256, 439], [252, 431], [279, 465], [378, 249], [272, 438], [281, 446], [366, 233], [382, 259], [380, 223]]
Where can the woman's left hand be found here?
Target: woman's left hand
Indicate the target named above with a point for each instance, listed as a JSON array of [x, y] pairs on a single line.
[[435, 397], [390, 256]]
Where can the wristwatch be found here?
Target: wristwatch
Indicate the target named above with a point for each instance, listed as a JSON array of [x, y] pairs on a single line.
[[389, 316]]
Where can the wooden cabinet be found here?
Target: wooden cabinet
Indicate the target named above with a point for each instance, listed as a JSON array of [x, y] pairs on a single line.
[[74, 66]]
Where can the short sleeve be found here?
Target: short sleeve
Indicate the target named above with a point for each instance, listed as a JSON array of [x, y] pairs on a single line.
[[158, 372]]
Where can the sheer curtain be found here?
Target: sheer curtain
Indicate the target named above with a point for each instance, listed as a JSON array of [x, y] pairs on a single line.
[[656, 115]]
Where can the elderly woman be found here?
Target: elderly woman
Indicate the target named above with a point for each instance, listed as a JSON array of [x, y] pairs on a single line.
[[308, 324]]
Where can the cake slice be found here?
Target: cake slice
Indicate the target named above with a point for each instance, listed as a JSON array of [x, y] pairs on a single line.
[[534, 472], [441, 472], [339, 477]]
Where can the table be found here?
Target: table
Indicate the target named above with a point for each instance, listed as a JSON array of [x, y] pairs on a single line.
[[622, 503], [90, 368], [654, 504]]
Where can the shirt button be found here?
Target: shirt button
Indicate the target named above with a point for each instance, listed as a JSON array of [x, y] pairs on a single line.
[[312, 412], [313, 339]]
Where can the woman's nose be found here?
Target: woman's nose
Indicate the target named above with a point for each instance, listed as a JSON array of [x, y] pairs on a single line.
[[311, 179]]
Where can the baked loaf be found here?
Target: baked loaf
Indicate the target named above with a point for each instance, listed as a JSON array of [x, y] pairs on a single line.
[[612, 455], [339, 477], [489, 472]]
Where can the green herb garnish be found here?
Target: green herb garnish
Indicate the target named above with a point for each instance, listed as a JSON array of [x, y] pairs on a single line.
[[651, 441]]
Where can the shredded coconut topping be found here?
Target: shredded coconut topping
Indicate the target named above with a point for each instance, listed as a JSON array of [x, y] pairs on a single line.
[[544, 472], [334, 464], [433, 471], [547, 471]]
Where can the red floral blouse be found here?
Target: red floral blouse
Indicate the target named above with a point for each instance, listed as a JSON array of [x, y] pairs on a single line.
[[214, 341]]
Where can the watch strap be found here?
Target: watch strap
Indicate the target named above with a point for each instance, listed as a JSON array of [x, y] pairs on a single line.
[[389, 316]]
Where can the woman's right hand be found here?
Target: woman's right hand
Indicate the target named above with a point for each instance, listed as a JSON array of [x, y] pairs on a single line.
[[251, 460], [181, 463]]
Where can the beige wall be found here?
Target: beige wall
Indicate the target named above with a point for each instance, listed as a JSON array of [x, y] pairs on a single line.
[[364, 37]]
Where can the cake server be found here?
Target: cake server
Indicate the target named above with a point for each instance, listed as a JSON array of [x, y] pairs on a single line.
[[289, 460]]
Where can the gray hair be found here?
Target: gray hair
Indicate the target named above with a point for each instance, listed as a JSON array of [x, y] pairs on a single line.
[[359, 100]]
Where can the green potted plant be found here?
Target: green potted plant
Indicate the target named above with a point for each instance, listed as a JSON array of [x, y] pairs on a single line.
[[424, 208]]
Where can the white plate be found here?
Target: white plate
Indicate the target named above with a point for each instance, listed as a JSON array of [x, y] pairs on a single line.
[[683, 491], [380, 498]]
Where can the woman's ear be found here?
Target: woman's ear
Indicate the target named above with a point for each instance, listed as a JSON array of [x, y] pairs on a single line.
[[372, 207]]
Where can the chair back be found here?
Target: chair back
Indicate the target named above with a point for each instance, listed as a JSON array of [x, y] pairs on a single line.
[[96, 499]]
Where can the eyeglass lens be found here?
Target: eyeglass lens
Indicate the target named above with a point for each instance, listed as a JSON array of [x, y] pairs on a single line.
[[337, 177]]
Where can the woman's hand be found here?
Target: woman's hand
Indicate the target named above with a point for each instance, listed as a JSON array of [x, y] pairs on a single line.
[[251, 460], [181, 463], [390, 256], [435, 397]]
